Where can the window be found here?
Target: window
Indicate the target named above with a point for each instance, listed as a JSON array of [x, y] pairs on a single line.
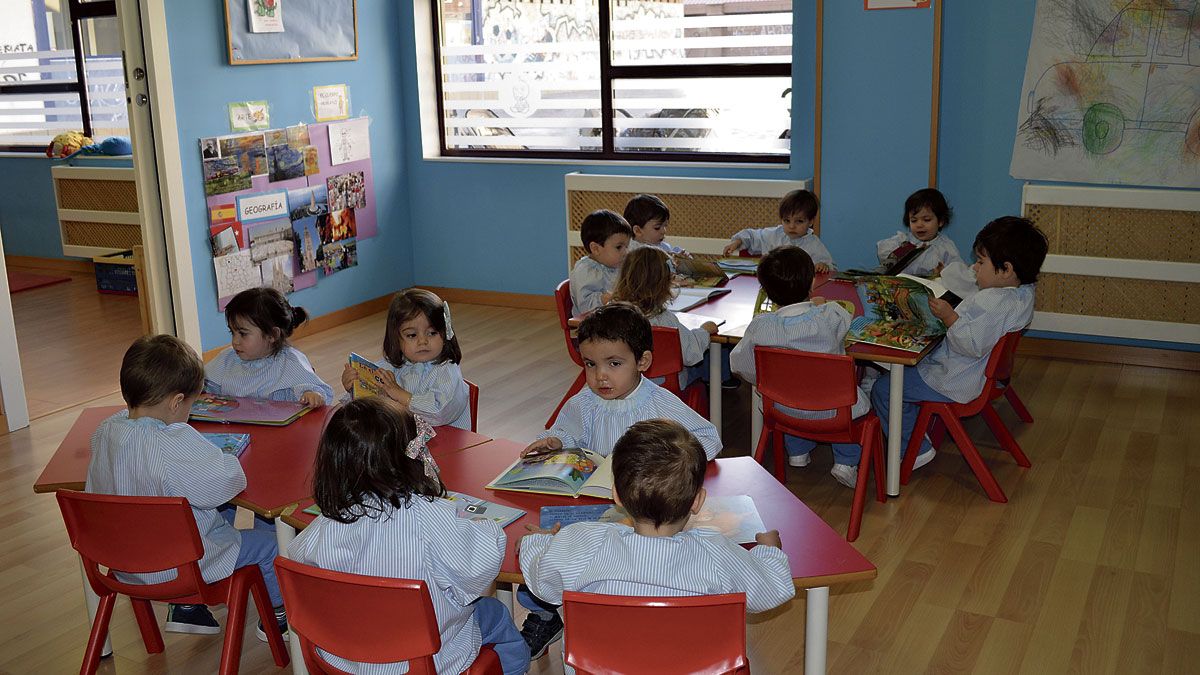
[[60, 70], [696, 80]]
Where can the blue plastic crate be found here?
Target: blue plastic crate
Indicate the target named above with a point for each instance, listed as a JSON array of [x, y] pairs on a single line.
[[115, 274]]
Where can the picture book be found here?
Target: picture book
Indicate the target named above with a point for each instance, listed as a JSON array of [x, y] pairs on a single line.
[[896, 314], [763, 305], [894, 264], [570, 472], [690, 298], [234, 410], [736, 517], [935, 286], [367, 383], [703, 273], [568, 515], [742, 265], [467, 508], [230, 444]]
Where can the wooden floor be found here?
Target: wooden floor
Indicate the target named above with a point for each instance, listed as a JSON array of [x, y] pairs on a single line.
[[1092, 567]]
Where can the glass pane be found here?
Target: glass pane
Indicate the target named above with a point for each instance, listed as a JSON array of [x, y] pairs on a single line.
[[720, 115], [35, 46], [105, 77], [521, 75], [701, 32]]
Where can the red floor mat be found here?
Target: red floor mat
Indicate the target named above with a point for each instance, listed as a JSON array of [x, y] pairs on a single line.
[[23, 281]]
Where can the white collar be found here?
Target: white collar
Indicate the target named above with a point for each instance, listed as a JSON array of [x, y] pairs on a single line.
[[795, 309]]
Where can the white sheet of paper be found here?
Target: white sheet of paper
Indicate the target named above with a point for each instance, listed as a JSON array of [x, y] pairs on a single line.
[[691, 321], [266, 16], [331, 102], [349, 141]]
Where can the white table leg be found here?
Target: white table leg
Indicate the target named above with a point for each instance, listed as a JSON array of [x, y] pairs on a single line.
[[816, 630], [756, 419], [92, 601], [284, 534], [714, 385], [895, 428], [507, 593]]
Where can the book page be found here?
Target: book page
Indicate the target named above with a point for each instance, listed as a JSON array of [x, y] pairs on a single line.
[[938, 289], [600, 484], [563, 472]]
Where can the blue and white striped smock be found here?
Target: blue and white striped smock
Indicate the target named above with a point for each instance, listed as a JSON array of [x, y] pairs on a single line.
[[760, 240], [439, 393], [589, 281], [282, 377], [938, 251]]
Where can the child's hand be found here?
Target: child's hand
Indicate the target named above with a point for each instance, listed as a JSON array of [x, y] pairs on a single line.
[[605, 298], [937, 271], [684, 253], [544, 446], [349, 375], [533, 529], [387, 380], [942, 310], [822, 268], [312, 399], [733, 246], [817, 300], [769, 539], [709, 326]]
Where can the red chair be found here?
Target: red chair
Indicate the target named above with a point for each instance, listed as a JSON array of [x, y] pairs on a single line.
[[998, 370], [668, 363], [365, 619], [809, 381], [618, 634], [473, 403], [115, 531], [1015, 401], [562, 301]]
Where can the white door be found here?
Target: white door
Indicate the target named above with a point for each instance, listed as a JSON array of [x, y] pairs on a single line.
[[14, 411]]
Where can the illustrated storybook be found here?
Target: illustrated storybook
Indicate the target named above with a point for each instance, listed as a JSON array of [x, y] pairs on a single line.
[[571, 472], [230, 444], [894, 264], [735, 516], [742, 265], [234, 410], [690, 298], [467, 508], [703, 273], [936, 287], [366, 385], [895, 314], [763, 304]]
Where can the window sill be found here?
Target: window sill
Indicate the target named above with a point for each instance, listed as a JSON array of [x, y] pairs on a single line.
[[603, 162], [42, 155]]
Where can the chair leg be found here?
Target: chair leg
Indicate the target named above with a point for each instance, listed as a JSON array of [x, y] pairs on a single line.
[[974, 460], [235, 624], [760, 451], [262, 602], [780, 471], [1017, 404], [1005, 436], [143, 611], [880, 463], [936, 433], [860, 494], [95, 645], [576, 387], [914, 442]]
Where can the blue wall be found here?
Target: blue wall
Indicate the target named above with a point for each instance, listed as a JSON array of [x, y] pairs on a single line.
[[205, 83]]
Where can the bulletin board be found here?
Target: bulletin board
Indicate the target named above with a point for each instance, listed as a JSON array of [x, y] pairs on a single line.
[[313, 30]]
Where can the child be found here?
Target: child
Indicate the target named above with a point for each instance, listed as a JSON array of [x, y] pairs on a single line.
[[616, 344], [649, 216], [802, 323], [420, 372], [148, 450], [1009, 253], [260, 363], [797, 210], [378, 490], [925, 214], [605, 237], [658, 470], [645, 282]]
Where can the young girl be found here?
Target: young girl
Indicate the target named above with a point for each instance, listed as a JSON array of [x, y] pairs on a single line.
[[925, 214], [261, 363], [645, 282], [420, 372], [378, 490]]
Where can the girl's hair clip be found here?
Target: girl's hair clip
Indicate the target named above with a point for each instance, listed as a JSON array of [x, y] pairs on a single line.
[[446, 318], [418, 447]]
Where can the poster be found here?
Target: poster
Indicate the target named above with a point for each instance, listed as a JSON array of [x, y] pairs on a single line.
[[224, 174], [249, 149], [331, 102], [347, 191], [248, 116], [349, 141], [266, 16]]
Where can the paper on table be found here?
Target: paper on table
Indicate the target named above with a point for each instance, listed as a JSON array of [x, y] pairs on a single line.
[[691, 321], [349, 141], [687, 298]]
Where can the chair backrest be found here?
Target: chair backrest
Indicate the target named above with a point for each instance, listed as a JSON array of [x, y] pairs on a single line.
[[618, 634], [136, 535], [807, 381], [473, 403], [668, 358], [360, 618], [1000, 363], [562, 302]]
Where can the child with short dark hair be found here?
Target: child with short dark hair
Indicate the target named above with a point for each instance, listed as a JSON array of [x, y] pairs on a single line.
[[260, 363], [378, 490], [149, 450], [420, 371], [658, 475], [807, 324], [649, 217], [1009, 253], [605, 236], [797, 210], [926, 214]]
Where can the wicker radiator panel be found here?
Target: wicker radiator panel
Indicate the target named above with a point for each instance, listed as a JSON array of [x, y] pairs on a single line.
[[1148, 300], [97, 195], [711, 216], [107, 235], [1137, 234], [576, 252]]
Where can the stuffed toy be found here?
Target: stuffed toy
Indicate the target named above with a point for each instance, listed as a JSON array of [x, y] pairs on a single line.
[[113, 146], [67, 144]]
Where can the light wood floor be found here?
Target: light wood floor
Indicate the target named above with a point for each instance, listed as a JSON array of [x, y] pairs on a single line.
[[1092, 566]]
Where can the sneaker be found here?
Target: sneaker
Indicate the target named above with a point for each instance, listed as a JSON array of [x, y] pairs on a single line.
[[924, 458], [731, 383], [845, 474], [798, 460], [540, 633], [193, 619], [280, 619]]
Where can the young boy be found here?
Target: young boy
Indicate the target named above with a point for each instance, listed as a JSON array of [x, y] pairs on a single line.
[[649, 217], [802, 323], [658, 470], [605, 237], [797, 210], [149, 450], [1009, 253], [616, 343]]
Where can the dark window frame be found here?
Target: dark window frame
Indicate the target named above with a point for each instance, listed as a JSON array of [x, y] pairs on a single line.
[[609, 73]]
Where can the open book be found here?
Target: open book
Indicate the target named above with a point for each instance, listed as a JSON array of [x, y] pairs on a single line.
[[936, 287], [735, 516], [690, 298], [703, 272], [366, 385], [230, 444], [691, 320], [235, 410], [742, 265], [467, 508], [570, 472], [895, 314]]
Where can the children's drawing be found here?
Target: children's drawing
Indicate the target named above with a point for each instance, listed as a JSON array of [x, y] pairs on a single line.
[[1112, 94], [349, 141], [235, 273]]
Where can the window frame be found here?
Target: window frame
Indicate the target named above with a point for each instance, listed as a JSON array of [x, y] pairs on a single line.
[[609, 73], [79, 11]]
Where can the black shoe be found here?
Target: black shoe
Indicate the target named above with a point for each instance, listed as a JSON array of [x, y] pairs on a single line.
[[540, 633], [194, 619], [280, 619], [731, 383]]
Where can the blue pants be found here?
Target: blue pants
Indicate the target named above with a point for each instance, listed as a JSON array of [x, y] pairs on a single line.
[[259, 547], [534, 604], [700, 370], [843, 453], [498, 630], [915, 391]]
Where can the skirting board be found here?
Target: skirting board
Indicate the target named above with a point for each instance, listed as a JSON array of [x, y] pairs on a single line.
[[64, 264], [1070, 350], [494, 298]]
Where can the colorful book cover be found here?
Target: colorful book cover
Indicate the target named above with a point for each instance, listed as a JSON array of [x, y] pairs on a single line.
[[735, 516], [233, 410], [895, 314], [467, 508], [571, 472], [367, 383], [230, 444], [703, 273]]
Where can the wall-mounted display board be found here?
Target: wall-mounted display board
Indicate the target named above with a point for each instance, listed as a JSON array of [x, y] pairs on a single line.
[[291, 31]]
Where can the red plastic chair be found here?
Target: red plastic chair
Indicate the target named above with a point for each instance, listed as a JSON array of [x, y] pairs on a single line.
[[148, 534], [668, 363], [809, 381], [562, 301], [473, 403], [618, 634], [999, 369], [365, 619]]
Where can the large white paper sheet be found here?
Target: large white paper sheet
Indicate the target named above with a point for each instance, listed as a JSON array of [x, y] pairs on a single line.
[[349, 141]]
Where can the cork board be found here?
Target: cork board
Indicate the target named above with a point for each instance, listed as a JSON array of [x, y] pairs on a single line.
[[709, 216]]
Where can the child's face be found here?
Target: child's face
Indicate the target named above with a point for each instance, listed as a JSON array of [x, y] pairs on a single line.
[[796, 225], [249, 341], [987, 276], [612, 252], [652, 233], [419, 340], [923, 224], [611, 369]]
